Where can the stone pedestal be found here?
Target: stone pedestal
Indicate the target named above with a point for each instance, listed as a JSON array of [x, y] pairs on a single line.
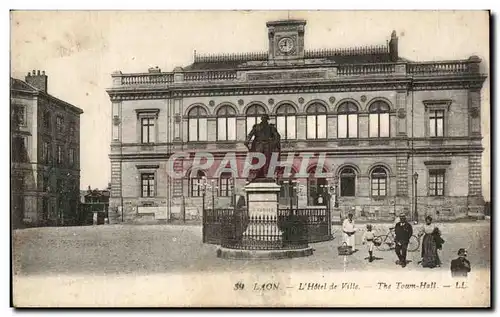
[[263, 218], [262, 204]]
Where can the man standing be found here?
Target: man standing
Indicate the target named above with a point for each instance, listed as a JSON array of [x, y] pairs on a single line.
[[403, 231], [349, 231], [460, 267]]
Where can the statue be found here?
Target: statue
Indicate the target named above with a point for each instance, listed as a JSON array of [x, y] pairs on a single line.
[[266, 140]]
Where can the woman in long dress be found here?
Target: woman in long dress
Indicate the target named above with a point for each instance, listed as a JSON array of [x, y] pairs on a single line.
[[431, 243]]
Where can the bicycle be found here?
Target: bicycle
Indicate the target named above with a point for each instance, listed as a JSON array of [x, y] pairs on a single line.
[[386, 242]]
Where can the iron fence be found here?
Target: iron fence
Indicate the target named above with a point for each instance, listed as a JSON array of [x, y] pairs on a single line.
[[266, 232], [317, 221]]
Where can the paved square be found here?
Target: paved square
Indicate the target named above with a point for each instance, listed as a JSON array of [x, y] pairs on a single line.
[[148, 249]]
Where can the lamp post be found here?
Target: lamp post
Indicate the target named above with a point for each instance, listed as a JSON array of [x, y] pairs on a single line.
[[415, 178], [231, 185], [213, 188]]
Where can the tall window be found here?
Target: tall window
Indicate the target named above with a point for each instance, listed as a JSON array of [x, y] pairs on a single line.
[[59, 154], [436, 123], [60, 124], [253, 114], [379, 182], [47, 120], [20, 113], [197, 124], [226, 124], [71, 156], [225, 184], [316, 121], [436, 182], [347, 120], [20, 149], [316, 189], [285, 121], [347, 182], [147, 130], [148, 184], [197, 182], [46, 151], [379, 120], [72, 128]]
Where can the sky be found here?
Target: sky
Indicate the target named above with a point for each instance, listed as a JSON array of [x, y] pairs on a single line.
[[80, 49]]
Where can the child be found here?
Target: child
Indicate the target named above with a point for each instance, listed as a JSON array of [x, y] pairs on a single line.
[[368, 237]]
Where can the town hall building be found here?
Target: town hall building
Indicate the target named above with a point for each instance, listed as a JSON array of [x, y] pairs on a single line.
[[396, 135]]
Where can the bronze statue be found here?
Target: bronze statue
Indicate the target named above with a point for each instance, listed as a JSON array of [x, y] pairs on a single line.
[[266, 140]]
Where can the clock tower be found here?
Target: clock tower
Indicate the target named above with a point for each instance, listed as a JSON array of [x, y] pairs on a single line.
[[286, 40]]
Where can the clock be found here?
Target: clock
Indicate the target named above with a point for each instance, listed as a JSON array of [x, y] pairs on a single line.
[[286, 45]]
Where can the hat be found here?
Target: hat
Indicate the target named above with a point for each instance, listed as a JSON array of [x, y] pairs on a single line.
[[462, 251], [265, 116], [350, 213], [369, 226], [402, 214]]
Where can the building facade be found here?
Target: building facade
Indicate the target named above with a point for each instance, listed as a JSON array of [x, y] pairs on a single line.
[[45, 155], [391, 134]]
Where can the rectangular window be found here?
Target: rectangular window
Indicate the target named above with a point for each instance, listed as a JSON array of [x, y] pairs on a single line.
[[311, 127], [148, 184], [71, 156], [316, 127], [20, 112], [226, 129], [342, 126], [46, 120], [72, 127], [379, 187], [225, 187], [436, 123], [286, 127], [353, 125], [60, 124], [250, 123], [221, 129], [436, 182], [20, 149], [197, 129], [45, 152], [59, 154], [196, 187], [147, 130]]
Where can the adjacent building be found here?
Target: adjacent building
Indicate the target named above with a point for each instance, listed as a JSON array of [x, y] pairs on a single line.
[[45, 154], [397, 135]]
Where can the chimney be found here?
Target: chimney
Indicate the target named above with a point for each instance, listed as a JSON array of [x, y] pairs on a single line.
[[393, 47], [37, 80]]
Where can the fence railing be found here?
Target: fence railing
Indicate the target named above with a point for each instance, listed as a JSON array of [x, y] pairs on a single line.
[[210, 75], [268, 232], [459, 67]]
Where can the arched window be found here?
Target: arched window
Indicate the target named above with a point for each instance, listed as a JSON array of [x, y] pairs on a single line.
[[285, 121], [347, 120], [316, 189], [226, 184], [316, 121], [197, 182], [253, 114], [347, 182], [379, 120], [226, 124], [197, 125], [379, 182]]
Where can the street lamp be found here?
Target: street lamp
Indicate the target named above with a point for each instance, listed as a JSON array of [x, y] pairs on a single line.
[[415, 178], [203, 188]]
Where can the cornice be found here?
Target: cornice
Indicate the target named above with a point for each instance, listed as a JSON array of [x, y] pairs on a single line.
[[283, 87]]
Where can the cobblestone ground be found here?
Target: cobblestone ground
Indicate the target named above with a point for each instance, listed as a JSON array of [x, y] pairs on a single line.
[[111, 249]]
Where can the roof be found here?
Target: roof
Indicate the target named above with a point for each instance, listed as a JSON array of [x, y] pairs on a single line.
[[354, 55], [20, 85]]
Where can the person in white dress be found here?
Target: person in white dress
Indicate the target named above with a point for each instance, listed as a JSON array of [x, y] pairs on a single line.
[[349, 230]]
